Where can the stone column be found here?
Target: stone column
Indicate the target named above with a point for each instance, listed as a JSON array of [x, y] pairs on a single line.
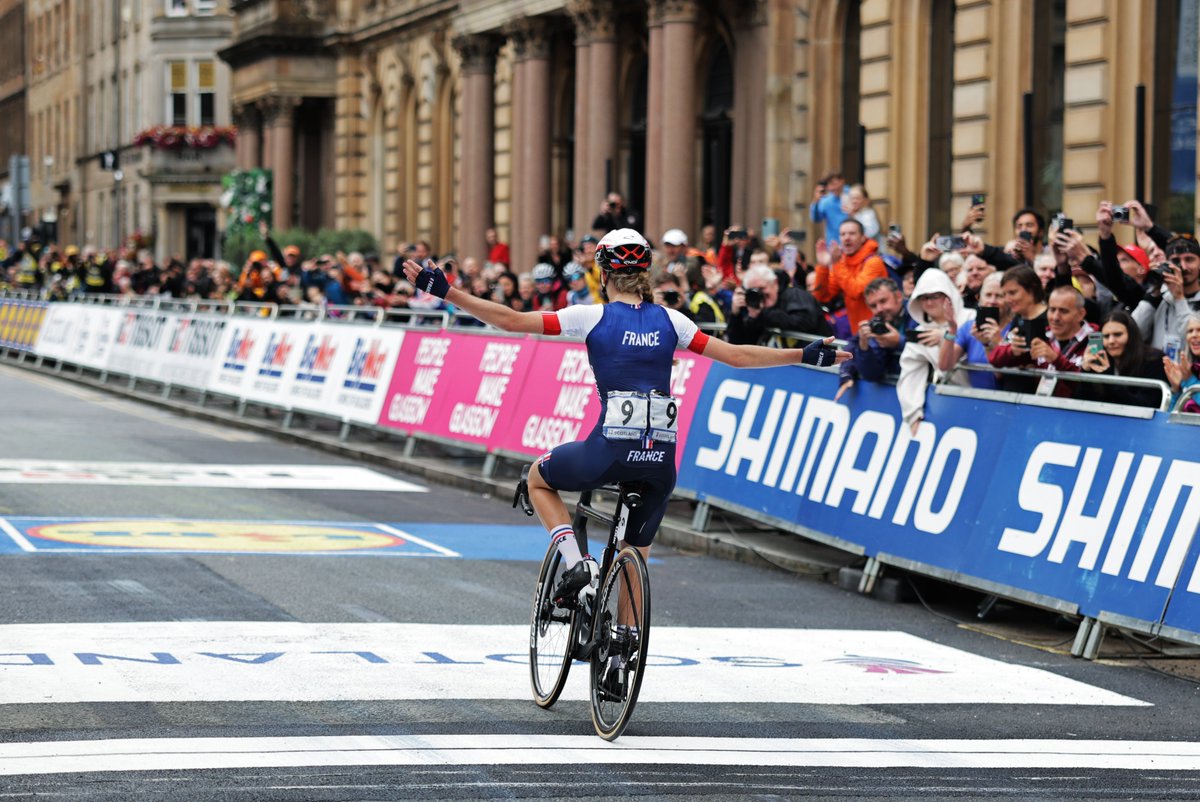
[[678, 204], [752, 45], [531, 140], [596, 20], [651, 215], [583, 206], [477, 183], [279, 116], [249, 135]]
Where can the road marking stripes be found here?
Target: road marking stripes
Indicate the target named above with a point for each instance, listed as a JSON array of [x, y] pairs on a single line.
[[18, 538], [187, 474], [293, 661], [168, 754]]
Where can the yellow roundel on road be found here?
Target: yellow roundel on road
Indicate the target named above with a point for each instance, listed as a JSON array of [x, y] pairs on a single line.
[[238, 536]]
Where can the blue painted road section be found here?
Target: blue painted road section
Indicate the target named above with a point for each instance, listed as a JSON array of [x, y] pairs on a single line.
[[302, 538]]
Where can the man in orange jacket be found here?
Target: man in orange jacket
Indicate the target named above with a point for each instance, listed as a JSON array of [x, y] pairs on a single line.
[[859, 265]]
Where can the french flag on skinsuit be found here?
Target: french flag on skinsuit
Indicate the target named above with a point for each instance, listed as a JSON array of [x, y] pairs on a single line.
[[239, 351], [275, 357], [316, 359], [366, 366]]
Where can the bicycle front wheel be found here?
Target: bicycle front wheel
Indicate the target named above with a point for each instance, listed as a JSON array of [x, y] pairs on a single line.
[[623, 633], [551, 634]]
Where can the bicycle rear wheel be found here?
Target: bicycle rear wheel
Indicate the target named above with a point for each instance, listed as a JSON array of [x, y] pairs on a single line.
[[551, 634], [623, 631]]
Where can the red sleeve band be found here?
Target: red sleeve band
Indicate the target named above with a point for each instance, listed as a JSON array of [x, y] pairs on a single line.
[[699, 341], [550, 323]]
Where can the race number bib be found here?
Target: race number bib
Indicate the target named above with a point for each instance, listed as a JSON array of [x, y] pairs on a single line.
[[633, 416]]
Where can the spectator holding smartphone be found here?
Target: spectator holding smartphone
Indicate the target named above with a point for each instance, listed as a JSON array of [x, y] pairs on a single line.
[[827, 205], [937, 308], [1059, 347], [1184, 370], [1118, 350], [973, 339]]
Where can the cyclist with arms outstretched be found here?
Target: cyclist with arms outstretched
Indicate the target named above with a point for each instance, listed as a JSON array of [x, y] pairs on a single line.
[[631, 344]]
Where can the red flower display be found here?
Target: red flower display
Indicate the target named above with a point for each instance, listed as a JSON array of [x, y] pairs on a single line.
[[178, 137]]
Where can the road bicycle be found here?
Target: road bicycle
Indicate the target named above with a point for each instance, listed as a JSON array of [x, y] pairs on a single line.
[[610, 631]]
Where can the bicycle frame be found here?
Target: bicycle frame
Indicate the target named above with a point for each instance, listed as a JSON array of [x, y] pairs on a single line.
[[585, 511]]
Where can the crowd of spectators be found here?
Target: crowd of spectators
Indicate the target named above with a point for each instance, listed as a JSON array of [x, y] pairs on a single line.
[[1044, 299]]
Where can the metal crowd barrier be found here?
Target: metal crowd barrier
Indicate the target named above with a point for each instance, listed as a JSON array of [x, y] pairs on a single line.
[[1071, 403]]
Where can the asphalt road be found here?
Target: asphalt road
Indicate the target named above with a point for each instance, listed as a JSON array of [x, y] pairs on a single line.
[[188, 613]]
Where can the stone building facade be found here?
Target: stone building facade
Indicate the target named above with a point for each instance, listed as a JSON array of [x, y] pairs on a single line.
[[101, 72], [12, 94], [437, 120]]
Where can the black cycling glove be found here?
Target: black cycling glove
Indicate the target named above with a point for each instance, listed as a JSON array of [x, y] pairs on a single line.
[[433, 281], [819, 354]]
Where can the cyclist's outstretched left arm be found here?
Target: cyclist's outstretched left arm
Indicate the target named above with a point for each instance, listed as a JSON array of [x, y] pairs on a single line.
[[760, 356], [433, 280]]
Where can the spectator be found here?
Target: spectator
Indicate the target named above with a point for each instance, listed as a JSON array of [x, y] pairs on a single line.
[[734, 255], [1124, 353], [551, 295], [1025, 296], [585, 257], [505, 291], [668, 292], [526, 300], [1060, 347], [1164, 308], [759, 305], [973, 339], [705, 308], [859, 265], [578, 291], [1184, 371], [1045, 265], [857, 204], [497, 250], [951, 264], [937, 308], [715, 287], [827, 206], [877, 345], [1125, 270], [613, 215], [676, 256], [553, 252], [975, 270]]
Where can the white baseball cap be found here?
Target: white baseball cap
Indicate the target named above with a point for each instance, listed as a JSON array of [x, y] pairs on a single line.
[[674, 236]]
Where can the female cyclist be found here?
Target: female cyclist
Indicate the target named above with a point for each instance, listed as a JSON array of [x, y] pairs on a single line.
[[631, 344]]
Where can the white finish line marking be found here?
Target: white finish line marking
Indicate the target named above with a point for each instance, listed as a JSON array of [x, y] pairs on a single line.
[[183, 474], [10, 530], [170, 754], [286, 661]]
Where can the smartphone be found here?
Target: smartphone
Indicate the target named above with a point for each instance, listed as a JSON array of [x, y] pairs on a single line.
[[978, 199], [1035, 329], [737, 233], [770, 227], [1095, 342], [911, 335], [1026, 235], [894, 230], [953, 243], [797, 236], [988, 313]]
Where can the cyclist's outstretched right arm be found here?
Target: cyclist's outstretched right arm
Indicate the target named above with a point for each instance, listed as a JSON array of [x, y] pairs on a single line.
[[433, 280]]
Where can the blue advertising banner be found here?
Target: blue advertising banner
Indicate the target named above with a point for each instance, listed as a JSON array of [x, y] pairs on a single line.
[[1096, 510]]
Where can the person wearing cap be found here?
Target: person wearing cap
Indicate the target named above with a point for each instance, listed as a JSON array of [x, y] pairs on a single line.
[[578, 291], [676, 257], [1123, 268], [551, 295]]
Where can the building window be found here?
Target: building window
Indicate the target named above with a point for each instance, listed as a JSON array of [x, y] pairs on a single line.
[[853, 132], [1044, 179], [941, 113], [206, 85], [204, 8], [177, 96], [177, 8], [1174, 152]]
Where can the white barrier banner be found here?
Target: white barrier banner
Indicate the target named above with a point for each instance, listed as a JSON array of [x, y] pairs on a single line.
[[81, 334], [337, 370]]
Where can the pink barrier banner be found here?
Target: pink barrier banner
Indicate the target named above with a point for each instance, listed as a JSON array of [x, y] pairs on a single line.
[[558, 402], [460, 386]]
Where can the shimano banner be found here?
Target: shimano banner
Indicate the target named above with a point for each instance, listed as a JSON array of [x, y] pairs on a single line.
[[1092, 509]]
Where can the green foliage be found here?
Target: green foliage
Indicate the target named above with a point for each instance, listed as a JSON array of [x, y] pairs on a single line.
[[240, 241]]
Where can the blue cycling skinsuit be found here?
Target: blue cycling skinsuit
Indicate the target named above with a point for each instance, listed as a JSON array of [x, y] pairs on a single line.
[[631, 348]]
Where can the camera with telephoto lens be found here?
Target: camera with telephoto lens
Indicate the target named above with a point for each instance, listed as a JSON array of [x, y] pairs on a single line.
[[754, 298], [1120, 214], [879, 325]]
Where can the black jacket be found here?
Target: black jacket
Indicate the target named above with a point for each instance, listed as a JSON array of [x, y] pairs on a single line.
[[796, 310]]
